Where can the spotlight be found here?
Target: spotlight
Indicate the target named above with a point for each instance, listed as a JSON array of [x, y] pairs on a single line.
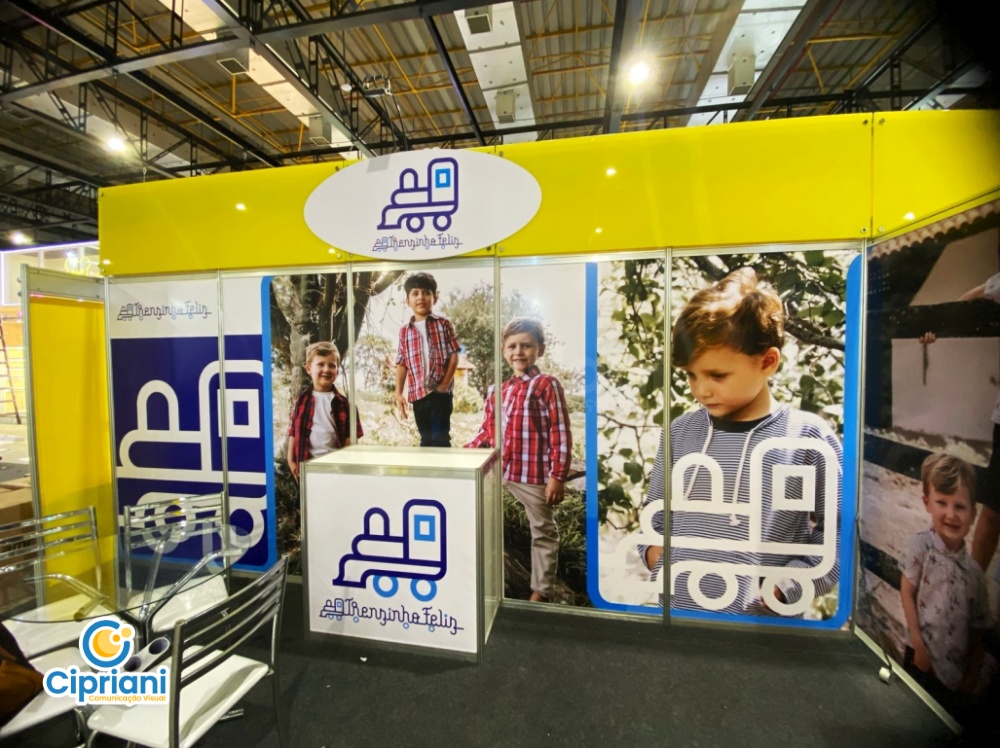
[[20, 238], [638, 73], [115, 144]]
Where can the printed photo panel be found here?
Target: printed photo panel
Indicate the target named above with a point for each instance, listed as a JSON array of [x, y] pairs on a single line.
[[166, 389], [543, 447], [760, 488], [461, 322], [308, 342], [625, 309], [930, 513]]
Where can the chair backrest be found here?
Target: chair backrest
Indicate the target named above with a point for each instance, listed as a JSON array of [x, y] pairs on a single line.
[[27, 543], [150, 526], [207, 640]]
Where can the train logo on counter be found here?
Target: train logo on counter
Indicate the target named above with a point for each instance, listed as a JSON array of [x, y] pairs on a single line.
[[411, 204], [418, 553]]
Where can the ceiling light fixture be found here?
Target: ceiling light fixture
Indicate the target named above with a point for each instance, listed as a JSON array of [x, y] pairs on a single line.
[[638, 73], [20, 238], [115, 144], [376, 85]]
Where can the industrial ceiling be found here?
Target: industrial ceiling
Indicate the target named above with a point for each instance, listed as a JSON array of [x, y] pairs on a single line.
[[95, 93]]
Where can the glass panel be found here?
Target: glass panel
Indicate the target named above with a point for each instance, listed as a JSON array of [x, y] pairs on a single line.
[[931, 453], [625, 406], [249, 467], [166, 391], [544, 508], [309, 351], [383, 317], [757, 481]]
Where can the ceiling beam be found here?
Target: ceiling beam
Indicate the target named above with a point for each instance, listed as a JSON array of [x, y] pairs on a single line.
[[91, 47], [413, 11], [442, 51], [628, 19], [946, 82], [634, 117], [235, 25], [338, 59], [807, 25], [895, 52], [48, 161], [723, 28]]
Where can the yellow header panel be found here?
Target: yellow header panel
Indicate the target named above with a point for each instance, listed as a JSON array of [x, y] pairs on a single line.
[[194, 224], [807, 179], [927, 162]]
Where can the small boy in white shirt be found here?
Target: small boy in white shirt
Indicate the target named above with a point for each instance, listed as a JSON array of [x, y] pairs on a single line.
[[943, 590], [320, 418]]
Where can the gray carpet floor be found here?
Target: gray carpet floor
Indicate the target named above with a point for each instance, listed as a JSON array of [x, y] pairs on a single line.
[[555, 680]]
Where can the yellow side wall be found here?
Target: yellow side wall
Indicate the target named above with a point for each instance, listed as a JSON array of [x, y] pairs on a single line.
[[809, 179], [69, 382]]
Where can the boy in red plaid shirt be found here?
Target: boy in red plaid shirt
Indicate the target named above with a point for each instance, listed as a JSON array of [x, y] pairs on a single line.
[[425, 362], [537, 444], [321, 416]]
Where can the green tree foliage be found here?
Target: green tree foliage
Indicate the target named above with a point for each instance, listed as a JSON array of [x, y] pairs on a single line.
[[472, 314], [631, 372]]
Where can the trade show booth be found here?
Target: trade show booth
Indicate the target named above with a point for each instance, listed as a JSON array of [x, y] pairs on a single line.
[[862, 226]]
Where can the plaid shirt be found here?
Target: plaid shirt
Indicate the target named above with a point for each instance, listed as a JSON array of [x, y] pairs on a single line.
[[441, 344], [300, 426], [537, 443]]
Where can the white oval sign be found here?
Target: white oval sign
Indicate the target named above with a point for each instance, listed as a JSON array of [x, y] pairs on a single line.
[[423, 205]]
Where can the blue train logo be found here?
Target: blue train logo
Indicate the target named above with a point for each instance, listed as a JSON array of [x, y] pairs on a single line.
[[418, 553], [412, 204]]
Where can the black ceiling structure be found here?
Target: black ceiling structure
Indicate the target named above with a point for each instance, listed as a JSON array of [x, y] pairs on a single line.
[[208, 86]]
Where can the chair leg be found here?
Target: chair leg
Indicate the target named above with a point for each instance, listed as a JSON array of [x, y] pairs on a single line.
[[80, 726], [276, 693]]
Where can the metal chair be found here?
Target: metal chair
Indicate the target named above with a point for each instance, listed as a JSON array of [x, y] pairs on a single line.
[[26, 547], [207, 675], [151, 531]]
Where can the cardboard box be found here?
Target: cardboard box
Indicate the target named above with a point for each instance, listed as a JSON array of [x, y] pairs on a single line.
[[15, 505]]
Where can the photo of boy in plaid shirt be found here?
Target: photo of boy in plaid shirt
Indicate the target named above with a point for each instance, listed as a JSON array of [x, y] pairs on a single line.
[[320, 420], [537, 444], [426, 361]]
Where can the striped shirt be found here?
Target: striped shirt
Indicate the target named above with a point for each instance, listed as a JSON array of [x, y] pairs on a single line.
[[537, 442], [789, 476], [441, 344]]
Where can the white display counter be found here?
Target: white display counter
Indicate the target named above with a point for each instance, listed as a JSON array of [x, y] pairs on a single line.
[[402, 545]]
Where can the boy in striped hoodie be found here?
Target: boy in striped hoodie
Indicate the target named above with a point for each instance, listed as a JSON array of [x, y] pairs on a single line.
[[755, 485]]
